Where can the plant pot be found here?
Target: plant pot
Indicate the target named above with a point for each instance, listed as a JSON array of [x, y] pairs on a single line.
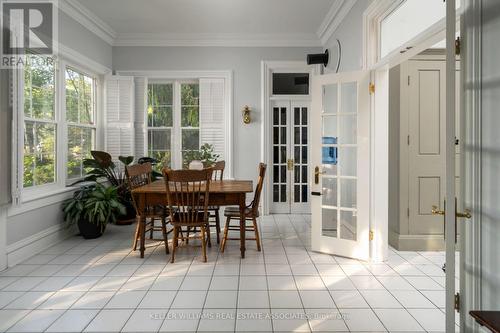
[[129, 217], [90, 230]]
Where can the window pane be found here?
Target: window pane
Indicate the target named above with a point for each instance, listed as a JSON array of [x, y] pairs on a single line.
[[80, 143], [190, 94], [190, 116], [160, 100], [190, 139], [161, 116], [159, 147], [160, 93], [39, 80], [39, 153], [80, 97]]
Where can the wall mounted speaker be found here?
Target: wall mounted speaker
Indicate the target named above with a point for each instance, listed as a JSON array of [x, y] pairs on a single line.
[[318, 58]]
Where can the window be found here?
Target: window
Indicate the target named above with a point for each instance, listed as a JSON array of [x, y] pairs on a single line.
[[160, 122], [80, 119], [40, 127], [173, 116], [190, 117]]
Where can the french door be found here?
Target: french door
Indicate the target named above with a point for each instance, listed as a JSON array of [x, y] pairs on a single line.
[[290, 157], [340, 126]]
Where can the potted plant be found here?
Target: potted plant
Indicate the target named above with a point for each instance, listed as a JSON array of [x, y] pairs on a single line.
[[100, 166], [92, 207], [205, 155]]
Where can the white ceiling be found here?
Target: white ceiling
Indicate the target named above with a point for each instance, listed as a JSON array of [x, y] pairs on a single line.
[[133, 21]]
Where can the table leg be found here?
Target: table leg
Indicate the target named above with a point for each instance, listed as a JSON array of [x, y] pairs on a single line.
[[242, 224], [142, 223]]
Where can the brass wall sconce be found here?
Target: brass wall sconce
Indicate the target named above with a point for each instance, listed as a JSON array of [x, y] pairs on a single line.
[[246, 115]]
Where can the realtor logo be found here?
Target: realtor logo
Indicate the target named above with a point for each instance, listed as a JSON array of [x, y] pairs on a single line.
[[27, 27]]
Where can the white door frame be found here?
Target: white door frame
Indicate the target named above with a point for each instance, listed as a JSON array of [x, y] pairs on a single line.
[[469, 281], [266, 70]]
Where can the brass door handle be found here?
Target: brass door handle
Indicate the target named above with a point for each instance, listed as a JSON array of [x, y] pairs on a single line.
[[316, 175], [289, 164], [435, 211], [466, 214]]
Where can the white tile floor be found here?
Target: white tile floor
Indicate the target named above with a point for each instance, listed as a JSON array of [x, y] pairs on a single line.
[[101, 286]]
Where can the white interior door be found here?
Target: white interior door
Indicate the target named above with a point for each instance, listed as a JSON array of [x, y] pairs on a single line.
[[290, 157], [427, 142], [340, 152]]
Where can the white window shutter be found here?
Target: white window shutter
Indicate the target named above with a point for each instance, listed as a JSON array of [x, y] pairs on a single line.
[[212, 110], [141, 104], [119, 135]]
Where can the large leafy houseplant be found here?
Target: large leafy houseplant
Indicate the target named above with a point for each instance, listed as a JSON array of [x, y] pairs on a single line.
[[100, 166], [92, 207], [205, 155]]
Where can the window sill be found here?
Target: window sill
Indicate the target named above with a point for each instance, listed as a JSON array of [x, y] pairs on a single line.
[[36, 199]]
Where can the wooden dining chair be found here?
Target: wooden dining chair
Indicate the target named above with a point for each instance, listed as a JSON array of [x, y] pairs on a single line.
[[187, 197], [251, 213], [218, 174], [139, 175]]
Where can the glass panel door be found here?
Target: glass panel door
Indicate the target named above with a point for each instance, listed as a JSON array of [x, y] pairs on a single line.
[[340, 125], [290, 157]]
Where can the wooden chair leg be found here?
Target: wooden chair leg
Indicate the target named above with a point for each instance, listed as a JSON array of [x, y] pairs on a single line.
[[257, 237], [165, 235], [187, 235], [203, 243], [217, 225], [208, 235], [136, 235], [174, 243], [152, 228], [224, 239]]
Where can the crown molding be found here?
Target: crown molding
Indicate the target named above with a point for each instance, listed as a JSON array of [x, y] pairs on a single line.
[[333, 19], [88, 19], [220, 40]]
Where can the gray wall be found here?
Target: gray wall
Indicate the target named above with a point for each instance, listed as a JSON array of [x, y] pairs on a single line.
[[74, 35], [350, 34], [490, 182], [245, 63]]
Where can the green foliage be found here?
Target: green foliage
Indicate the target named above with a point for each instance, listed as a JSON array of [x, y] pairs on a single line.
[[101, 166], [39, 137], [95, 203], [206, 155]]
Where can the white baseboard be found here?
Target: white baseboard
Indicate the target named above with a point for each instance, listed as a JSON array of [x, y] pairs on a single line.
[[416, 242], [27, 247]]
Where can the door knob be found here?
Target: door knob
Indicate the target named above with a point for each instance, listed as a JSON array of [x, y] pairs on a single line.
[[435, 211], [289, 164]]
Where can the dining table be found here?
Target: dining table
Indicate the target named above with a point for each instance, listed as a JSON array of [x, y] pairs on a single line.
[[221, 193]]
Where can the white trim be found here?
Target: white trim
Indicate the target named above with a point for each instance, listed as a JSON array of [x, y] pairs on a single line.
[[41, 200], [266, 67], [88, 20], [227, 75], [27, 247], [333, 19], [221, 39], [3, 237]]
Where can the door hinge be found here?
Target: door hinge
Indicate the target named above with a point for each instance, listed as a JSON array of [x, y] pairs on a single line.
[[408, 140], [371, 88], [457, 302], [371, 235], [408, 212], [408, 79]]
